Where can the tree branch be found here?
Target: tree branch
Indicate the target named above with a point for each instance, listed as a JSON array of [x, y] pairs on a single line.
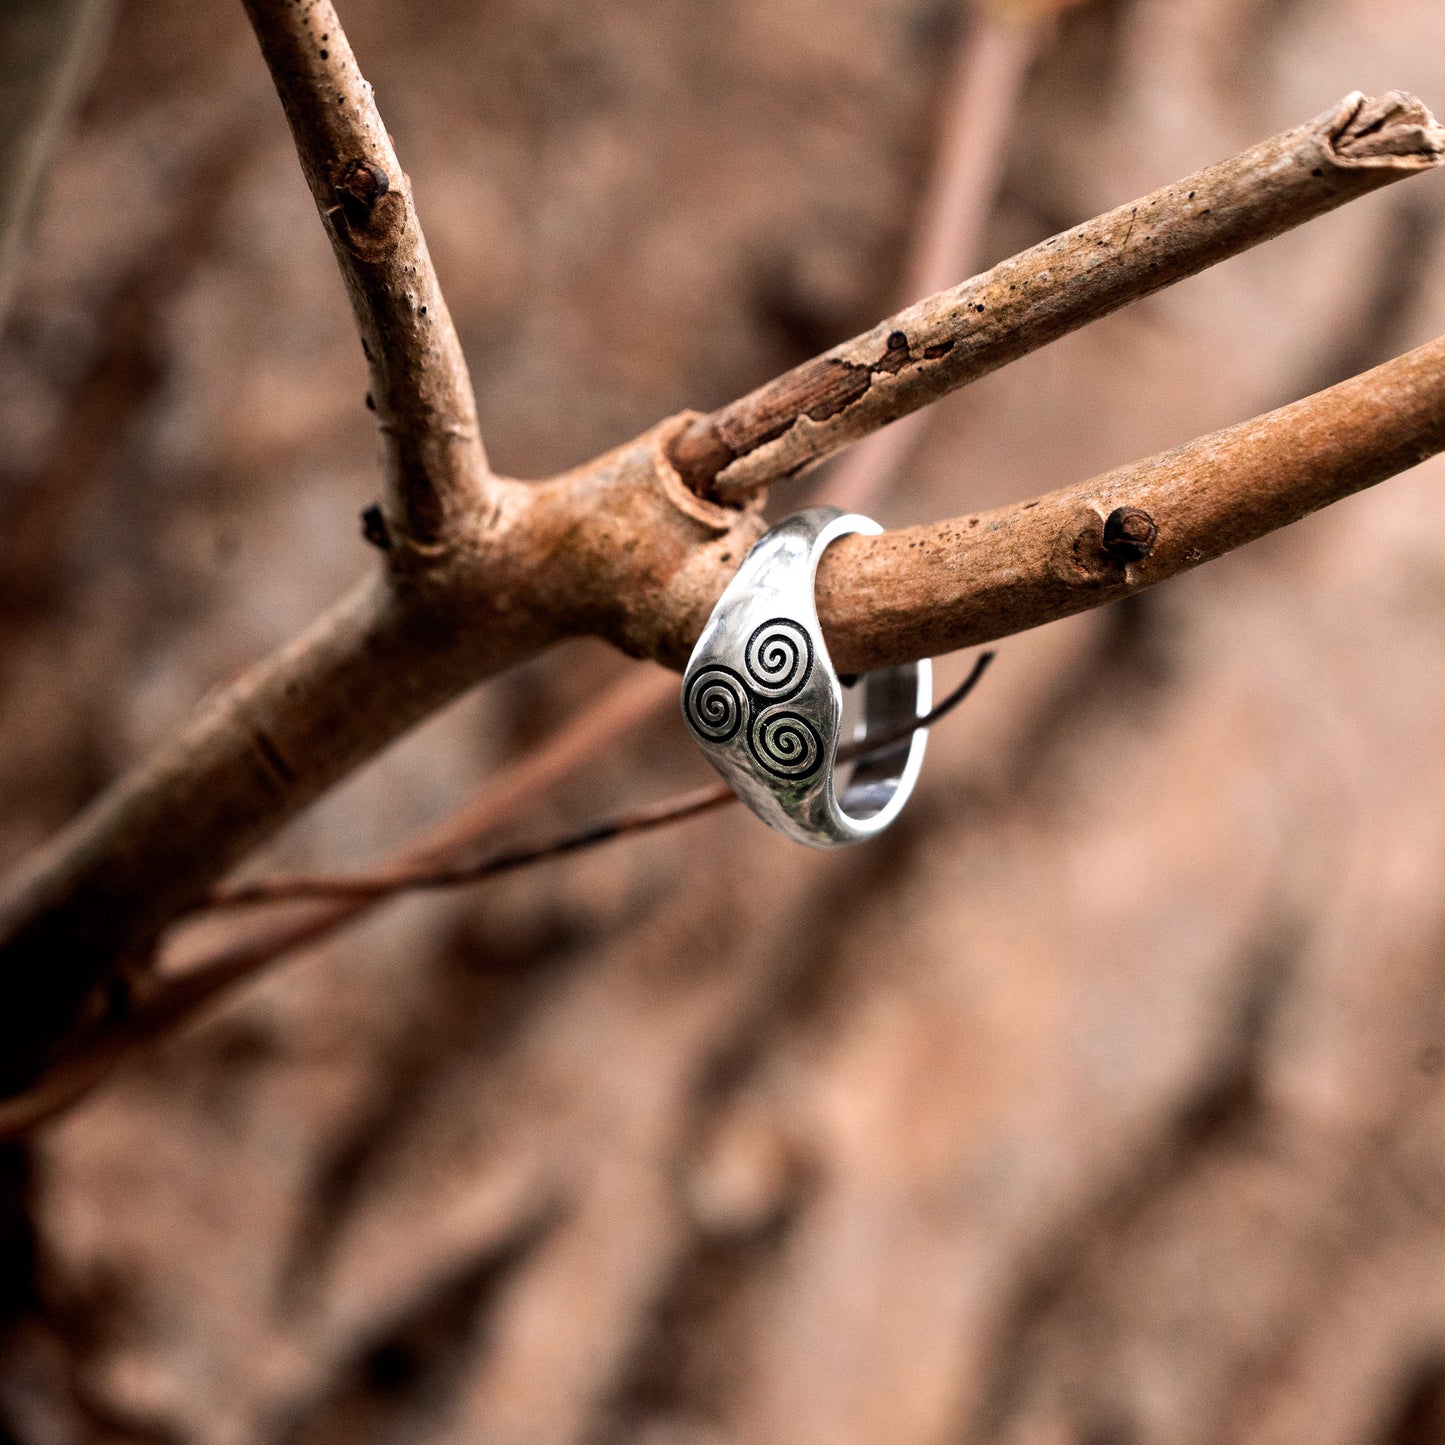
[[436, 469], [992, 58], [939, 344], [926, 590]]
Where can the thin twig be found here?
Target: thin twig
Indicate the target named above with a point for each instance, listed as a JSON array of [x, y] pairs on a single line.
[[389, 880], [375, 886], [172, 1001], [937, 345]]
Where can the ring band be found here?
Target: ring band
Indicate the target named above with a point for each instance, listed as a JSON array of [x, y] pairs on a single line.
[[762, 699]]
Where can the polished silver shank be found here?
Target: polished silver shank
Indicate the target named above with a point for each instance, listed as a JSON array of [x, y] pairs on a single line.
[[762, 699]]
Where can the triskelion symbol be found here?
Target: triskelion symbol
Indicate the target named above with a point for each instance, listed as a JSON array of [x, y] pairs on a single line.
[[720, 702]]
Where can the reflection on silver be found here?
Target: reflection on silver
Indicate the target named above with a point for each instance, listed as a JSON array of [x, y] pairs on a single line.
[[765, 705]]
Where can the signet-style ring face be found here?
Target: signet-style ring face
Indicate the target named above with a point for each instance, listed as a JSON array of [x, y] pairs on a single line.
[[762, 699]]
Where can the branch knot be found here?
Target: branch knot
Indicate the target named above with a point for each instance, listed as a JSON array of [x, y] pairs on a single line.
[[361, 185]]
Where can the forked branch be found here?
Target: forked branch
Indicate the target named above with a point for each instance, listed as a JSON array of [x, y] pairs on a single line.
[[483, 572], [926, 590]]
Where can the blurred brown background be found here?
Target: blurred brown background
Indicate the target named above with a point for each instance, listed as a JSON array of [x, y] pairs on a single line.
[[1101, 1103]]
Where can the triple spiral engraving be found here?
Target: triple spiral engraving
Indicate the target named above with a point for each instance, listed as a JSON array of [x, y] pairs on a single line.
[[720, 703]]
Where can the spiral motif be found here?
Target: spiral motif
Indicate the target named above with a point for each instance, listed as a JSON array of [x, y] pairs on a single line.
[[785, 744], [779, 657], [720, 703], [716, 704]]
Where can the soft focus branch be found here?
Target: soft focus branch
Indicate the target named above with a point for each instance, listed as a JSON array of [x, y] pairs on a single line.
[[46, 51], [934, 347], [483, 572], [977, 115]]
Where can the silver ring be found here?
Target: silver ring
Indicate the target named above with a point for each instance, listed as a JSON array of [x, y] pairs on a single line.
[[762, 699]]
